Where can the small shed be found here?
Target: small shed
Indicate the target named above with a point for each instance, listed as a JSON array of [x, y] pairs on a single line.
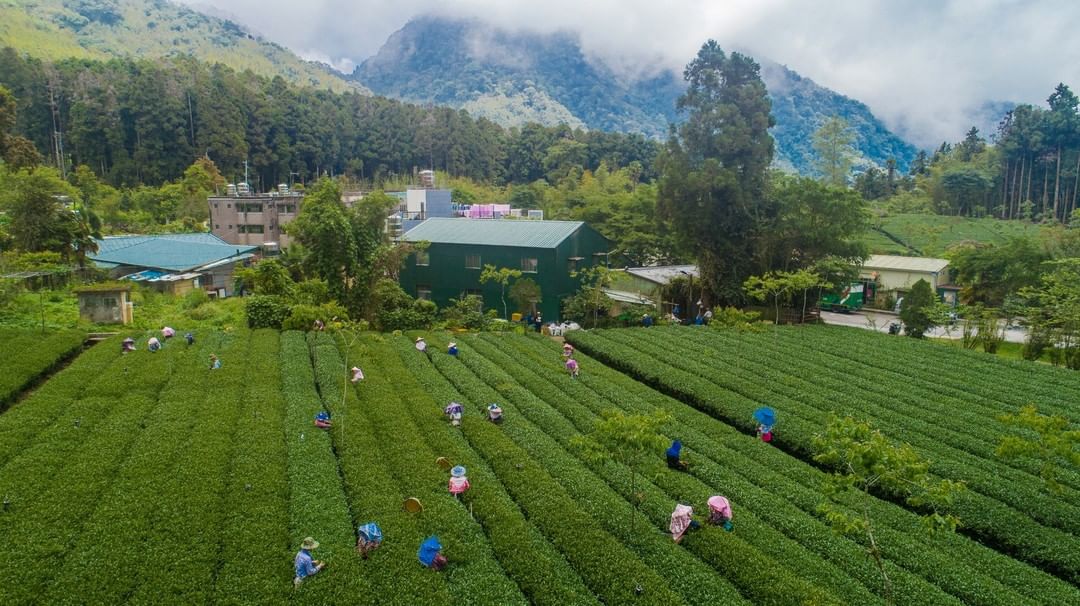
[[105, 303], [645, 285], [173, 263]]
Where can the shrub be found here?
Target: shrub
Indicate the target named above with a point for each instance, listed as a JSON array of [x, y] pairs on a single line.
[[265, 311]]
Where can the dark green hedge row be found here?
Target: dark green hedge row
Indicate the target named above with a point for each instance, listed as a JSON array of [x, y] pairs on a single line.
[[758, 371], [477, 574], [543, 574], [56, 401], [610, 568], [774, 470], [28, 355], [393, 574], [123, 494], [755, 572]]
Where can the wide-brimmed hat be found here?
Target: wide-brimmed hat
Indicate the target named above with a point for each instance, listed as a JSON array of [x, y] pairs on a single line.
[[451, 344], [458, 471], [418, 339], [309, 544], [493, 406]]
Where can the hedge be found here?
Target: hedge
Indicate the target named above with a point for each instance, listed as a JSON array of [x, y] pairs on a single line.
[[1016, 532], [28, 355]]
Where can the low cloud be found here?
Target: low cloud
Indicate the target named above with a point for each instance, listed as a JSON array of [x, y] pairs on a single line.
[[926, 67]]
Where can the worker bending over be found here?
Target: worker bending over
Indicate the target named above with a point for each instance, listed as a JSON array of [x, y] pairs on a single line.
[[494, 414], [720, 512], [681, 522], [369, 538], [430, 554], [453, 410], [673, 457]]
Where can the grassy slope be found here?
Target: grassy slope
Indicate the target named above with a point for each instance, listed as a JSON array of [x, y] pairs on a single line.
[[932, 235], [49, 29]]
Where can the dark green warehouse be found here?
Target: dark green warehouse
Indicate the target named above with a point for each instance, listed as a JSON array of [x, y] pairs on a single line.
[[546, 251]]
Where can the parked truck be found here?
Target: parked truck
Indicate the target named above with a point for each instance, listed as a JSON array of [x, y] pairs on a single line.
[[850, 299]]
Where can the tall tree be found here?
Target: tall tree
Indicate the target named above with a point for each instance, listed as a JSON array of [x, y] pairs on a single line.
[[323, 229], [834, 144], [714, 167]]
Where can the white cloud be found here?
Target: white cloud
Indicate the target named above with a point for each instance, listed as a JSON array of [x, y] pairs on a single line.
[[924, 66]]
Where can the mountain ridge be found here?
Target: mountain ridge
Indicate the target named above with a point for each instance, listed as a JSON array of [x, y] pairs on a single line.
[[147, 29], [493, 72]]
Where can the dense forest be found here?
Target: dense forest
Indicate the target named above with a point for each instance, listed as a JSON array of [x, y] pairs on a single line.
[[144, 122], [1029, 169]]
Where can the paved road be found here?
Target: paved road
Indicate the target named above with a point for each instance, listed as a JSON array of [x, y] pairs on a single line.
[[879, 321]]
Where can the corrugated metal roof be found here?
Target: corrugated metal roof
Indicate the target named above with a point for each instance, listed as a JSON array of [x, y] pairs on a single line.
[[173, 252], [663, 274], [494, 232], [623, 296], [898, 263]]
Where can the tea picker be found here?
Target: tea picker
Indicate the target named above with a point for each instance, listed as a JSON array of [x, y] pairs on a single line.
[[322, 420], [127, 345], [720, 512], [305, 566], [369, 538], [357, 374], [451, 348], [430, 554], [681, 522], [766, 419], [458, 483], [572, 368], [494, 414], [153, 344], [421, 345], [673, 457], [454, 410]]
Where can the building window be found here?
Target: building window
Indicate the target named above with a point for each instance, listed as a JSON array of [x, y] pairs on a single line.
[[472, 261], [423, 292], [215, 205], [230, 227], [474, 292], [217, 226], [249, 207], [423, 258], [528, 265], [572, 263], [249, 229], [109, 302], [286, 208], [599, 258]]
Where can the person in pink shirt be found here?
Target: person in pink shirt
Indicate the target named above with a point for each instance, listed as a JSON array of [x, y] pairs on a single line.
[[572, 368], [357, 374], [458, 482]]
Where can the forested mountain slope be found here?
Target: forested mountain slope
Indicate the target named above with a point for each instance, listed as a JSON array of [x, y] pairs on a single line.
[[517, 77], [147, 29]]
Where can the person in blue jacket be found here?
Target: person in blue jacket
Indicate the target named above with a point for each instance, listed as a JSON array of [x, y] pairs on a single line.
[[673, 460], [430, 554]]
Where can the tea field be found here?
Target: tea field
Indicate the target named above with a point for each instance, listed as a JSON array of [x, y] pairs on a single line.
[[148, 478]]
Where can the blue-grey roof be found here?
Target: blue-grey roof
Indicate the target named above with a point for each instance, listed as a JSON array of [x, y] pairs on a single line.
[[494, 232], [172, 252]]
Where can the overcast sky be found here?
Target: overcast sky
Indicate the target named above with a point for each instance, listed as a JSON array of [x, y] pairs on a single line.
[[923, 66]]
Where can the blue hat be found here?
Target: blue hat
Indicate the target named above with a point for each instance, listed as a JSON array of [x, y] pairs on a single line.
[[370, 532], [323, 415], [458, 471], [428, 550]]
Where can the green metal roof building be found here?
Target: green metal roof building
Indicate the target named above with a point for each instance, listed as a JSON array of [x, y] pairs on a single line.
[[546, 251]]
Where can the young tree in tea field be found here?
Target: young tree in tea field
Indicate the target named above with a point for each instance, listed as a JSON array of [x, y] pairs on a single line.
[[630, 440], [864, 461], [1049, 439]]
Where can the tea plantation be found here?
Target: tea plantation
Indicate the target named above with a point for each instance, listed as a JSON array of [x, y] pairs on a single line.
[[149, 478]]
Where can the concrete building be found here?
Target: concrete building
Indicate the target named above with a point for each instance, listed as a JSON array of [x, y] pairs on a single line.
[[173, 263], [545, 251], [255, 220], [894, 275], [105, 303]]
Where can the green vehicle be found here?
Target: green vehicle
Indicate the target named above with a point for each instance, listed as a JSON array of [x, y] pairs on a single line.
[[852, 298]]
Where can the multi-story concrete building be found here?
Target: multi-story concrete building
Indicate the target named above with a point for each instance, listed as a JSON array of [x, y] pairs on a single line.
[[254, 220]]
